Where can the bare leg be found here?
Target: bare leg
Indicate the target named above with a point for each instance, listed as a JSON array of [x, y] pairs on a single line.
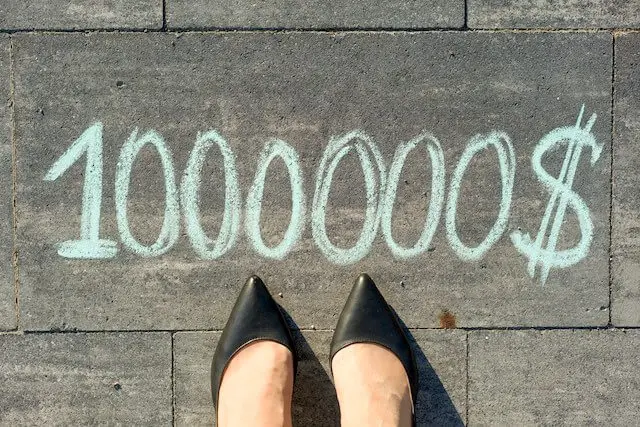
[[257, 387], [372, 387]]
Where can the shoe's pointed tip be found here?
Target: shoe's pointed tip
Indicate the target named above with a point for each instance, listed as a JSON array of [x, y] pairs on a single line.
[[254, 285], [366, 286], [254, 281], [364, 280]]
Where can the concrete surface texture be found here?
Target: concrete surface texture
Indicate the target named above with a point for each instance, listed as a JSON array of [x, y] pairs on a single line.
[[314, 14], [80, 14], [8, 314], [156, 153], [625, 288], [86, 379], [556, 377], [553, 14]]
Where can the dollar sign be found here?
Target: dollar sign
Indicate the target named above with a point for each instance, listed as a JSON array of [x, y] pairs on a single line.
[[562, 196]]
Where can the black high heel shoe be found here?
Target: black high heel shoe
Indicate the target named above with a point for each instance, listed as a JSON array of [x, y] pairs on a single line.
[[367, 318], [255, 317]]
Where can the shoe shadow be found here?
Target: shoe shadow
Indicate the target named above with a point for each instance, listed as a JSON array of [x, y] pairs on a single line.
[[434, 406], [314, 397]]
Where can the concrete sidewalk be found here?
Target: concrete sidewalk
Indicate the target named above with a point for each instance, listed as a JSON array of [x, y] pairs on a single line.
[[475, 158]]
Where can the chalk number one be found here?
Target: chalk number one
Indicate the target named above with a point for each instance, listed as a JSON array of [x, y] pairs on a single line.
[[89, 246]]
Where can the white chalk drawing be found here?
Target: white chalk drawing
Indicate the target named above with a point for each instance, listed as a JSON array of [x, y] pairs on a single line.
[[380, 188], [435, 203], [548, 257], [507, 162], [374, 180], [190, 187], [171, 224], [89, 246], [276, 148]]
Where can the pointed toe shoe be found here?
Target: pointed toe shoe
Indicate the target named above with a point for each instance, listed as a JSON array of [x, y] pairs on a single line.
[[255, 317], [367, 318]]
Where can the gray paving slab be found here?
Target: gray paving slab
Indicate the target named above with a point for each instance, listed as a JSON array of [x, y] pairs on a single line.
[[8, 309], [441, 360], [80, 14], [307, 89], [559, 377], [554, 14], [625, 246], [314, 14], [86, 379]]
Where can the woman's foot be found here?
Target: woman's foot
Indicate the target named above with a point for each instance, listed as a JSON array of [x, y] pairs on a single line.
[[257, 387], [372, 386], [254, 363]]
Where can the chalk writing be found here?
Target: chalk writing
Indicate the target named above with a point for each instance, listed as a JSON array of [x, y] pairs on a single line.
[[189, 188], [89, 246], [380, 191], [374, 180], [507, 162], [435, 203], [576, 139], [273, 149], [171, 224]]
